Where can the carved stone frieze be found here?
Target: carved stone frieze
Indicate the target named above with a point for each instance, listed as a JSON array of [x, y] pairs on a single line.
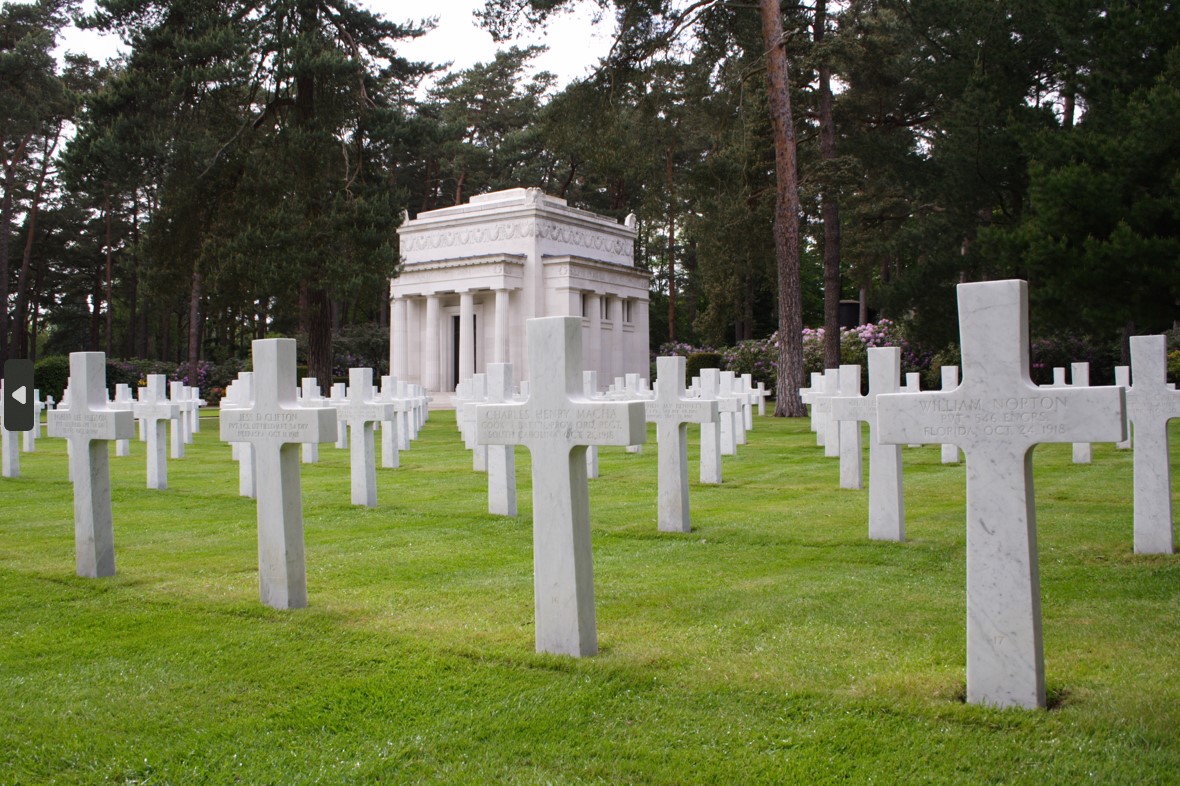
[[511, 230]]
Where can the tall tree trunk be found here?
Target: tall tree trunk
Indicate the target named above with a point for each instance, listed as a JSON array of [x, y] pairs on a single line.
[[133, 280], [316, 315], [569, 179], [35, 306], [164, 337], [671, 247], [110, 294], [94, 342], [1069, 98], [20, 328], [6, 209], [260, 325], [748, 310], [194, 323], [830, 209], [319, 337], [786, 217], [145, 319], [459, 187]]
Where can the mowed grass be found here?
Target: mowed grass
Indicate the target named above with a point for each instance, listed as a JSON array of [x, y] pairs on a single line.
[[774, 644]]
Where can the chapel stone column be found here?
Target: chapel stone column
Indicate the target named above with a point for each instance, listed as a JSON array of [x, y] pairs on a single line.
[[501, 350], [618, 364], [430, 356], [466, 336], [594, 356], [398, 365], [641, 336]]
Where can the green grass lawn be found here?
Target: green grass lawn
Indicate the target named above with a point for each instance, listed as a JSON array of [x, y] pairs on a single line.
[[774, 644]]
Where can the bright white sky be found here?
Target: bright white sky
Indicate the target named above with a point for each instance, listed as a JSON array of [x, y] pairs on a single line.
[[575, 44]]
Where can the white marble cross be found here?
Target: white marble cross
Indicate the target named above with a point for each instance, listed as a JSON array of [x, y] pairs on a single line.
[[88, 425], [851, 451], [636, 386], [1079, 377], [64, 406], [1150, 405], [711, 432], [762, 393], [196, 403], [501, 459], [337, 396], [423, 408], [310, 397], [630, 390], [827, 423], [477, 393], [886, 504], [751, 397], [950, 381], [123, 400], [10, 447], [275, 426], [732, 383], [407, 427], [459, 400], [153, 409], [30, 436], [177, 397], [672, 412], [556, 422], [996, 416], [1122, 378], [187, 408], [913, 384], [590, 390], [810, 397], [361, 411], [391, 429], [730, 414], [243, 397]]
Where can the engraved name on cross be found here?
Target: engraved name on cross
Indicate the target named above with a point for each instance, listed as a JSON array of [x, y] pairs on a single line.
[[154, 410], [556, 423], [390, 438], [886, 505], [710, 457], [275, 426], [501, 459], [671, 411], [1150, 405], [361, 412], [996, 416], [87, 426], [848, 430]]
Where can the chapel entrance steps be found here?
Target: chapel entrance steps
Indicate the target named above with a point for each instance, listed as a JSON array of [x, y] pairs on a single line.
[[442, 399]]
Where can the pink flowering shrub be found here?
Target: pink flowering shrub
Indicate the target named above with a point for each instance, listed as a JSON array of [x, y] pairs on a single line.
[[854, 342], [760, 357]]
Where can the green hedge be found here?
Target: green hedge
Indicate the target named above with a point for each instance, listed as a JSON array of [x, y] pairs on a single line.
[[51, 375], [699, 360]]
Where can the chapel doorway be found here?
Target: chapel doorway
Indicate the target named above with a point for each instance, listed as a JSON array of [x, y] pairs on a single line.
[[455, 332]]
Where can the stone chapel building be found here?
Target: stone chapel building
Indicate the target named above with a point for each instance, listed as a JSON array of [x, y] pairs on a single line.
[[472, 274]]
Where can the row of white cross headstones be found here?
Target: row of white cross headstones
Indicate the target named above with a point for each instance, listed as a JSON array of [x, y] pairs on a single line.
[[995, 415], [182, 409], [398, 409], [723, 426]]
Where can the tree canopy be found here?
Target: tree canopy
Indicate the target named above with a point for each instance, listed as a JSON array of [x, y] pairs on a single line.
[[241, 172]]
